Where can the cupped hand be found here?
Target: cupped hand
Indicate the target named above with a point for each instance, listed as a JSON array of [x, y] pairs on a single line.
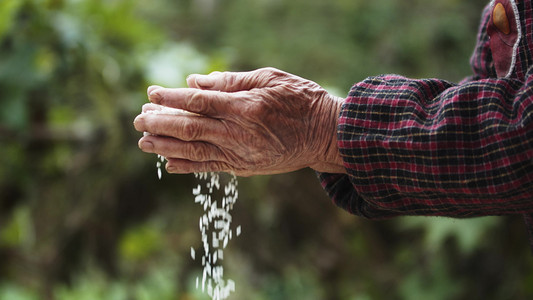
[[248, 123]]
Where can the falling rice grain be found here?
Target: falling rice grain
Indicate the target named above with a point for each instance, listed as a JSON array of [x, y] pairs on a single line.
[[216, 220], [215, 223]]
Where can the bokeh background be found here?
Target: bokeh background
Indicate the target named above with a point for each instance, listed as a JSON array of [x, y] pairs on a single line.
[[84, 216]]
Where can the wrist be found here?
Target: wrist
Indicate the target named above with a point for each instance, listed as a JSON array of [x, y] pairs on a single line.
[[329, 158]]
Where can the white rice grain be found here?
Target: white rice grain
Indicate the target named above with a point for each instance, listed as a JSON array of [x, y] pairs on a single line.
[[216, 220]]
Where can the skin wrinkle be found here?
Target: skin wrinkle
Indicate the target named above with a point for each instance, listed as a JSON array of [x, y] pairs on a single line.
[[261, 122], [255, 114], [189, 130], [331, 147], [324, 114], [197, 104], [200, 152], [265, 116], [252, 151], [262, 113]]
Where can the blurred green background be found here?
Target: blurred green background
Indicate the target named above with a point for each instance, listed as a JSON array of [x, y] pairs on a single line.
[[83, 215]]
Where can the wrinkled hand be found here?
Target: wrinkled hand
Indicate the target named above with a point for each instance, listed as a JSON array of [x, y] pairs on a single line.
[[250, 123]]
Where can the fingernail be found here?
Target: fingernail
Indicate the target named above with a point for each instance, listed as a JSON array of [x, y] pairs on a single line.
[[137, 123], [205, 81], [154, 96], [190, 81], [171, 169], [147, 146], [153, 88]]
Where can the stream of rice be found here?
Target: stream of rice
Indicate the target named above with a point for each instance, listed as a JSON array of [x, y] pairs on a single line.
[[215, 224]]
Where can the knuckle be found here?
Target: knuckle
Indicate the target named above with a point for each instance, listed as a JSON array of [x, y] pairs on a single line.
[[190, 130], [230, 81], [260, 105], [218, 166], [270, 76], [199, 152], [151, 124], [256, 110], [272, 72], [268, 70], [198, 103]]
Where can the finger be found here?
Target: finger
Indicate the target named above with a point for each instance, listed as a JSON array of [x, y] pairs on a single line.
[[183, 166], [235, 81], [183, 127], [174, 148], [203, 102], [150, 107]]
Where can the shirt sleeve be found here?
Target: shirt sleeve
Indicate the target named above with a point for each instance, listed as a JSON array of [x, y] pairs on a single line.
[[427, 147], [431, 147]]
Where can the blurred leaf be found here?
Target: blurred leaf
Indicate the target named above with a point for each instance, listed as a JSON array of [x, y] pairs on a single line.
[[14, 114], [61, 116], [19, 230], [58, 160], [169, 66], [431, 283], [8, 10], [139, 243], [468, 233], [159, 284], [90, 286], [46, 62], [9, 291], [295, 284]]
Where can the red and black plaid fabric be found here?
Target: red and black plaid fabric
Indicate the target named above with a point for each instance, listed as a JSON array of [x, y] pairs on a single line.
[[431, 147]]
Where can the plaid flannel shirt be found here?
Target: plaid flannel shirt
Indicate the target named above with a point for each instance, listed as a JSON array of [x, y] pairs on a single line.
[[431, 147]]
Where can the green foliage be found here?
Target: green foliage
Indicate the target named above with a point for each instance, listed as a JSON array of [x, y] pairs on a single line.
[[91, 286], [469, 234], [19, 231], [83, 216], [433, 283], [158, 284], [139, 243], [8, 8], [9, 291]]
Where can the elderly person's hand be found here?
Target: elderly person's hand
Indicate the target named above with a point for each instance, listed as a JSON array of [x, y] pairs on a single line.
[[260, 122]]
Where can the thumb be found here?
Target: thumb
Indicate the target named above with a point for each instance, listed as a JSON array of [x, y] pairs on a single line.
[[235, 81]]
